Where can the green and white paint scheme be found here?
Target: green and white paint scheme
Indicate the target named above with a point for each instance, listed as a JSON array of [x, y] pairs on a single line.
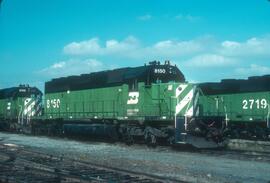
[[187, 102], [32, 107], [186, 99], [21, 109], [158, 102], [246, 107]]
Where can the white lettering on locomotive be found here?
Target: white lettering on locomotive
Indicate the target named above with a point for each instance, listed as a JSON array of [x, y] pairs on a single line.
[[54, 103], [254, 104], [160, 71]]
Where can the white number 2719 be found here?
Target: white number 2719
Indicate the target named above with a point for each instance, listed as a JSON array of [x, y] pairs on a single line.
[[257, 104]]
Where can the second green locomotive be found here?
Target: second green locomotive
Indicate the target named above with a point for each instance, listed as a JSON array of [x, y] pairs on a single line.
[[18, 106], [244, 104]]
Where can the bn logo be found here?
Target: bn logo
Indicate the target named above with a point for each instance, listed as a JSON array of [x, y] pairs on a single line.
[[133, 98]]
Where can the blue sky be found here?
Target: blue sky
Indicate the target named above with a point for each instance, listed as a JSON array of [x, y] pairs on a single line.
[[207, 40]]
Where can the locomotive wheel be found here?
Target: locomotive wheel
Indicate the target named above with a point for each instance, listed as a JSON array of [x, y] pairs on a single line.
[[128, 139], [113, 136], [151, 140], [171, 140]]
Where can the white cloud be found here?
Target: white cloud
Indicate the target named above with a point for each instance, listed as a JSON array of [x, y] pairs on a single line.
[[253, 69], [188, 17], [58, 65], [176, 48], [93, 47], [115, 46], [131, 48], [209, 60], [90, 46], [145, 17], [182, 17], [258, 47], [230, 44], [72, 67], [200, 52]]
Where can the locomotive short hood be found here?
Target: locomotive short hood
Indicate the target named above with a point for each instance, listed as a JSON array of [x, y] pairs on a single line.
[[20, 91]]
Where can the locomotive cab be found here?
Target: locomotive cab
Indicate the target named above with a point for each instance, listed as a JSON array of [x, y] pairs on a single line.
[[164, 73], [19, 105]]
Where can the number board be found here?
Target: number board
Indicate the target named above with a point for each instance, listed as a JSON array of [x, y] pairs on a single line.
[[249, 104]]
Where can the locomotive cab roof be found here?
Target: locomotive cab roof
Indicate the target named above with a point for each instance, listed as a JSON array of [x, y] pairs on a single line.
[[152, 73], [20, 91]]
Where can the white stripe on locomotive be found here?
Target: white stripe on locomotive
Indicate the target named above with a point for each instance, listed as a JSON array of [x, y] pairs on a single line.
[[195, 104], [180, 89], [187, 100], [31, 106]]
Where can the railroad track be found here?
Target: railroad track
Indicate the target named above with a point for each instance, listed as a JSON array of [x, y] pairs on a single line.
[[18, 164]]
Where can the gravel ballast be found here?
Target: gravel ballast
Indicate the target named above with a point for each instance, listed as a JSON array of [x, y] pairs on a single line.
[[161, 161]]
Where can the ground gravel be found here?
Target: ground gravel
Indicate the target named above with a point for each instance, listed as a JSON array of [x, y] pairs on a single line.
[[163, 161]]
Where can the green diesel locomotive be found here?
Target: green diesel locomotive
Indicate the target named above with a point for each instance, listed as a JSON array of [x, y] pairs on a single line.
[[244, 104], [144, 103], [18, 106], [150, 103]]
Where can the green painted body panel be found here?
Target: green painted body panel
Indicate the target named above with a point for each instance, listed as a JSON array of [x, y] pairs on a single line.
[[156, 101], [241, 107], [10, 108]]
